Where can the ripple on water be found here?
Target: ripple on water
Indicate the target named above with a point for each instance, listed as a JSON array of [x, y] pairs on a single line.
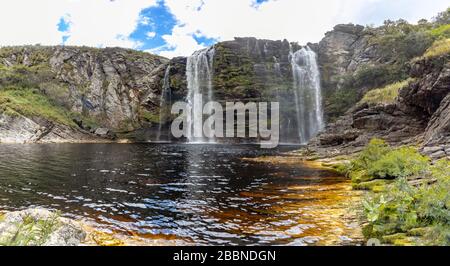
[[190, 193]]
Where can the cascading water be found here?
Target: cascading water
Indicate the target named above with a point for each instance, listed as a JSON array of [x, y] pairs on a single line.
[[164, 101], [199, 74], [307, 91]]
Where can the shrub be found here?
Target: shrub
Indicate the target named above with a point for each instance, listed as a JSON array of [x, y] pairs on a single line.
[[443, 17], [441, 32], [339, 101], [435, 199], [404, 210], [400, 41], [376, 76], [391, 212], [371, 154], [402, 162]]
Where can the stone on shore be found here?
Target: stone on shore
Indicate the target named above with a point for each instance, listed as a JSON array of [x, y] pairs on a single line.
[[39, 227]]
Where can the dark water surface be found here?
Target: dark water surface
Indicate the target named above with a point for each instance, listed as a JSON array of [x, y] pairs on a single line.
[[194, 193]]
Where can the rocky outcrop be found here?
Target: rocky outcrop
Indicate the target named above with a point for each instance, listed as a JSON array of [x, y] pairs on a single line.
[[16, 128], [109, 84], [112, 88], [420, 115], [344, 50], [39, 227]]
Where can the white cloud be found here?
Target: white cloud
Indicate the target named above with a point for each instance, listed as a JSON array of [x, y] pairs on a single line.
[[150, 34], [96, 23], [103, 23], [296, 20]]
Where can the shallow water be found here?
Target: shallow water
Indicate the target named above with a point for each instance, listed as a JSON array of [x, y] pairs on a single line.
[[196, 194]]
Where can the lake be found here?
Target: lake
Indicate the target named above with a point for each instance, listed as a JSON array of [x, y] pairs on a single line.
[[181, 194]]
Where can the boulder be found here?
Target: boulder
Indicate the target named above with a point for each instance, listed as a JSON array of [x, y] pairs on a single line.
[[102, 132], [40, 227]]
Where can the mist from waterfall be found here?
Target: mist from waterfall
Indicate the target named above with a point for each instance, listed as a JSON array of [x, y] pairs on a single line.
[[199, 74], [307, 92], [164, 101]]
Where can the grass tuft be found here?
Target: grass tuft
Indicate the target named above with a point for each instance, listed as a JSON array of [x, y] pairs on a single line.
[[385, 95], [440, 47]]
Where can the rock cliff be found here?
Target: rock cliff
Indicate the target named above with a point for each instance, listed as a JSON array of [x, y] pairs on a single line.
[[58, 94], [418, 115], [86, 88]]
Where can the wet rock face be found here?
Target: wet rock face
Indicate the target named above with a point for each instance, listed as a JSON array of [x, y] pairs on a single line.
[[177, 78], [244, 69]]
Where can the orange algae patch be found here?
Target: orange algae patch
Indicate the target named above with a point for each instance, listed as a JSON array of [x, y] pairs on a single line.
[[96, 237], [321, 210]]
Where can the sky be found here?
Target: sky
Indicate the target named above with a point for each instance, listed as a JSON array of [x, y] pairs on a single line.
[[179, 27]]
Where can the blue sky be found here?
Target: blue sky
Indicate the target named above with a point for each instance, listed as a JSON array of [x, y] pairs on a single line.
[[179, 27]]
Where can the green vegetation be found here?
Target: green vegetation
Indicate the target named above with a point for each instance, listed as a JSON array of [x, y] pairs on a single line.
[[443, 18], [385, 95], [368, 77], [378, 161], [397, 44], [152, 117], [399, 212], [441, 31], [421, 215], [31, 102], [440, 47], [400, 41], [31, 232], [401, 162]]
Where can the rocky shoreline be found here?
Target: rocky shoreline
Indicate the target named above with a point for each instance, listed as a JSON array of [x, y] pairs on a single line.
[[42, 227]]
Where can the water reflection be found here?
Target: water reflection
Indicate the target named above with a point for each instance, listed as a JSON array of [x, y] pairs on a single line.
[[198, 194]]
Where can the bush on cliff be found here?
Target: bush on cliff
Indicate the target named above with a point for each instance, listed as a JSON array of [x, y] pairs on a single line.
[[441, 31], [400, 41]]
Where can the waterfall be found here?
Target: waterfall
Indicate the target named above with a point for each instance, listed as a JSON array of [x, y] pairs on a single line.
[[199, 74], [164, 101], [307, 92]]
